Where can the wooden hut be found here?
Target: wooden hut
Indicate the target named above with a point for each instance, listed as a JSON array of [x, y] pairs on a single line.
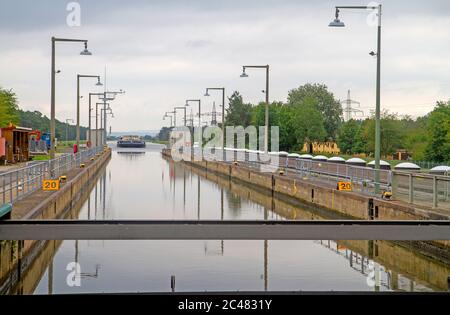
[[15, 144]]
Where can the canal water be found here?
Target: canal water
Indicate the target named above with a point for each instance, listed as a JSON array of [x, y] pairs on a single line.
[[141, 184]]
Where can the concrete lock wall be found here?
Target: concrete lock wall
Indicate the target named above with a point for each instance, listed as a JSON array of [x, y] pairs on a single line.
[[18, 258], [349, 204], [70, 191], [292, 208]]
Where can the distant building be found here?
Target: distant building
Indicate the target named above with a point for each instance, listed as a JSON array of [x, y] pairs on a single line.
[[402, 155], [14, 144], [321, 147]]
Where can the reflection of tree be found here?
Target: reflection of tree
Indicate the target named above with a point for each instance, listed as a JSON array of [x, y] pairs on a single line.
[[234, 203]]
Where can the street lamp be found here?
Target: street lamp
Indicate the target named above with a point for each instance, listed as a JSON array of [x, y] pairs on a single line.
[[85, 52], [223, 113], [96, 120], [104, 112], [337, 23], [184, 108], [78, 100], [67, 129], [266, 127], [105, 98], [199, 111], [166, 115], [174, 117], [90, 116]]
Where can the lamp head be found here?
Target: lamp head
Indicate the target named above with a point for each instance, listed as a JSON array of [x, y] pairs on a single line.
[[336, 22], [206, 93], [85, 52], [98, 82], [244, 75]]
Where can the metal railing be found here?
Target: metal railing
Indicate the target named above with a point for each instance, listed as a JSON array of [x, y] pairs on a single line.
[[18, 183], [422, 189], [37, 146], [415, 188], [361, 177], [429, 164]]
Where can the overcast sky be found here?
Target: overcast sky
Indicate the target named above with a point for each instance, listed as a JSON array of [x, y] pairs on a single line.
[[163, 52]]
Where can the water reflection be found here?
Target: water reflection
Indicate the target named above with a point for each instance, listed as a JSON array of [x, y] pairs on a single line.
[[143, 185]]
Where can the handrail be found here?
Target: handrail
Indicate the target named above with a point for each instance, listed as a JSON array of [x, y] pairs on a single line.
[[18, 183]]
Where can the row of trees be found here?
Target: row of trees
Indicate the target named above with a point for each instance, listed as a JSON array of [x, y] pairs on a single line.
[[312, 114], [10, 113], [427, 137]]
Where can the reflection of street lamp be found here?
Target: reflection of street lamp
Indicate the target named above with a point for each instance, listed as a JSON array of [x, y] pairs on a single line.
[[67, 129], [85, 52], [78, 100], [338, 23], [266, 127], [199, 111]]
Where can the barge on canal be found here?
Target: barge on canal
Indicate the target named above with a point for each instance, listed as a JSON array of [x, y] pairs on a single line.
[[131, 142]]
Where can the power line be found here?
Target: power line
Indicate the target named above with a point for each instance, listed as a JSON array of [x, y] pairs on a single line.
[[349, 109]]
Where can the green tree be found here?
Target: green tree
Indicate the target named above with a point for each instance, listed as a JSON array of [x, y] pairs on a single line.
[[238, 113], [280, 115], [350, 138], [392, 134], [37, 121], [416, 137], [8, 108], [325, 103], [308, 122], [164, 133], [438, 127]]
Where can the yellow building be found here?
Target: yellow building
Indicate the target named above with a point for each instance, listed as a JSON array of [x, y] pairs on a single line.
[[321, 147]]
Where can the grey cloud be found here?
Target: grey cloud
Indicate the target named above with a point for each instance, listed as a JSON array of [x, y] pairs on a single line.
[[163, 52], [198, 43]]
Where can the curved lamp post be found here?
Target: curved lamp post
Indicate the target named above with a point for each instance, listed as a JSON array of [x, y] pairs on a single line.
[[105, 98], [167, 115], [199, 111], [79, 76], [266, 127], [338, 23], [84, 52], [184, 108]]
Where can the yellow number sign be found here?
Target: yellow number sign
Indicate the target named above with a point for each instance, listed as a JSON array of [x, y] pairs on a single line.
[[50, 184], [345, 186]]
